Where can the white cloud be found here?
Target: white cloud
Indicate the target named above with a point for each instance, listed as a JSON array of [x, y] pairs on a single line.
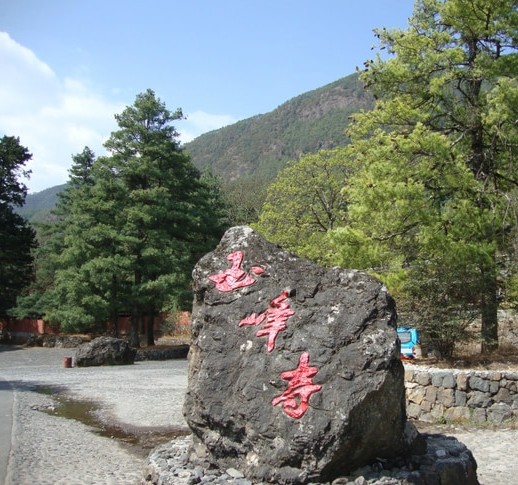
[[53, 118]]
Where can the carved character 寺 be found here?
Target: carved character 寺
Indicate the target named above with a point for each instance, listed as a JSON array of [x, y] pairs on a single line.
[[295, 399]]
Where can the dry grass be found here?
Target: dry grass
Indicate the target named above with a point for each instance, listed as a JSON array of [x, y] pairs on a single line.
[[505, 358]]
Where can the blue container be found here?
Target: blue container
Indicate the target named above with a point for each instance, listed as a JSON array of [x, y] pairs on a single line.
[[409, 338]]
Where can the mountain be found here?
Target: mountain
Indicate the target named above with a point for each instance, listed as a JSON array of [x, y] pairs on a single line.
[[37, 206], [263, 144]]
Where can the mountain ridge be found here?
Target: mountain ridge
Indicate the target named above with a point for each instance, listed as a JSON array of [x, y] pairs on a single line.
[[262, 144]]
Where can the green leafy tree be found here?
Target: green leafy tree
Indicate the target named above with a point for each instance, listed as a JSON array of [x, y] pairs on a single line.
[[89, 280], [438, 152], [17, 238], [244, 198], [154, 225], [306, 202]]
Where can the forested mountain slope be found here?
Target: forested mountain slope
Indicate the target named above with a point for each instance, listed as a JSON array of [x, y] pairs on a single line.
[[37, 206], [260, 145]]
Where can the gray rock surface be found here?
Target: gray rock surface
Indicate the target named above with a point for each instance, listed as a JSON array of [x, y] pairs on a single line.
[[446, 462], [267, 327], [104, 351]]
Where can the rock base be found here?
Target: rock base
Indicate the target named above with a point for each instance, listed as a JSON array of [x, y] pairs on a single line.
[[446, 461]]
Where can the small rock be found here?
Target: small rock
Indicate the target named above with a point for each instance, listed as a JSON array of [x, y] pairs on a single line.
[[441, 453], [234, 473]]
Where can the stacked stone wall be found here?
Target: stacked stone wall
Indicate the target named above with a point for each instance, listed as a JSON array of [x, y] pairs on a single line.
[[439, 395]]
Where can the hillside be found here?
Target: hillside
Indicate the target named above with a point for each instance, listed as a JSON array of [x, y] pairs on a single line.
[[37, 206], [260, 145]]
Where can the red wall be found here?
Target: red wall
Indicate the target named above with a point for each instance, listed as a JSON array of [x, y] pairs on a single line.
[[29, 326], [33, 326]]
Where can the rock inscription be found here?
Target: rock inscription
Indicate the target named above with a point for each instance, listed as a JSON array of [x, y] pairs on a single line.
[[294, 372]]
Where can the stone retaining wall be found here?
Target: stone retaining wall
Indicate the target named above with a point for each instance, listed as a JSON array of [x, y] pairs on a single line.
[[439, 395]]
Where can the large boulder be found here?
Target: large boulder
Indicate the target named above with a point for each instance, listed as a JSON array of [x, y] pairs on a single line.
[[294, 372], [104, 351]]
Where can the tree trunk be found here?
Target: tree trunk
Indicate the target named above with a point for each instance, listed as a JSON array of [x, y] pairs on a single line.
[[135, 319], [489, 310], [115, 324], [150, 336], [136, 314]]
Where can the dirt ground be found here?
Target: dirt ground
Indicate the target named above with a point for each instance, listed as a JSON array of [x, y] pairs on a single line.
[[504, 359]]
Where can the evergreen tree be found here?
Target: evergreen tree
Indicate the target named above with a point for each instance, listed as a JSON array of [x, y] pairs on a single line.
[[134, 223], [17, 238], [87, 282], [437, 155], [41, 297], [164, 222]]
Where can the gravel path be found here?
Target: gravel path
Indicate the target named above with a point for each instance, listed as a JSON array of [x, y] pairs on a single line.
[[50, 449], [146, 397]]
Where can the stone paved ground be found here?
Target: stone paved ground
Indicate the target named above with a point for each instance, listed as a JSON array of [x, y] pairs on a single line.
[[49, 449]]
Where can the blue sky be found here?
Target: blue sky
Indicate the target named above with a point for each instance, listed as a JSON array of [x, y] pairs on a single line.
[[67, 66]]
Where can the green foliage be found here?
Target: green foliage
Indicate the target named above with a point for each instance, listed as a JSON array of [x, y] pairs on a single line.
[[428, 193], [244, 198], [17, 238], [437, 158], [130, 225], [13, 158], [64, 272], [305, 202], [33, 302]]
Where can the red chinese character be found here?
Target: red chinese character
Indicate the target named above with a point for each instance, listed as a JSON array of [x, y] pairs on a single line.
[[300, 388], [276, 317], [234, 277]]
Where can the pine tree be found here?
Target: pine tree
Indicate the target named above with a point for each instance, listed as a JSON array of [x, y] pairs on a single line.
[[135, 223], [438, 152], [17, 238], [88, 284]]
